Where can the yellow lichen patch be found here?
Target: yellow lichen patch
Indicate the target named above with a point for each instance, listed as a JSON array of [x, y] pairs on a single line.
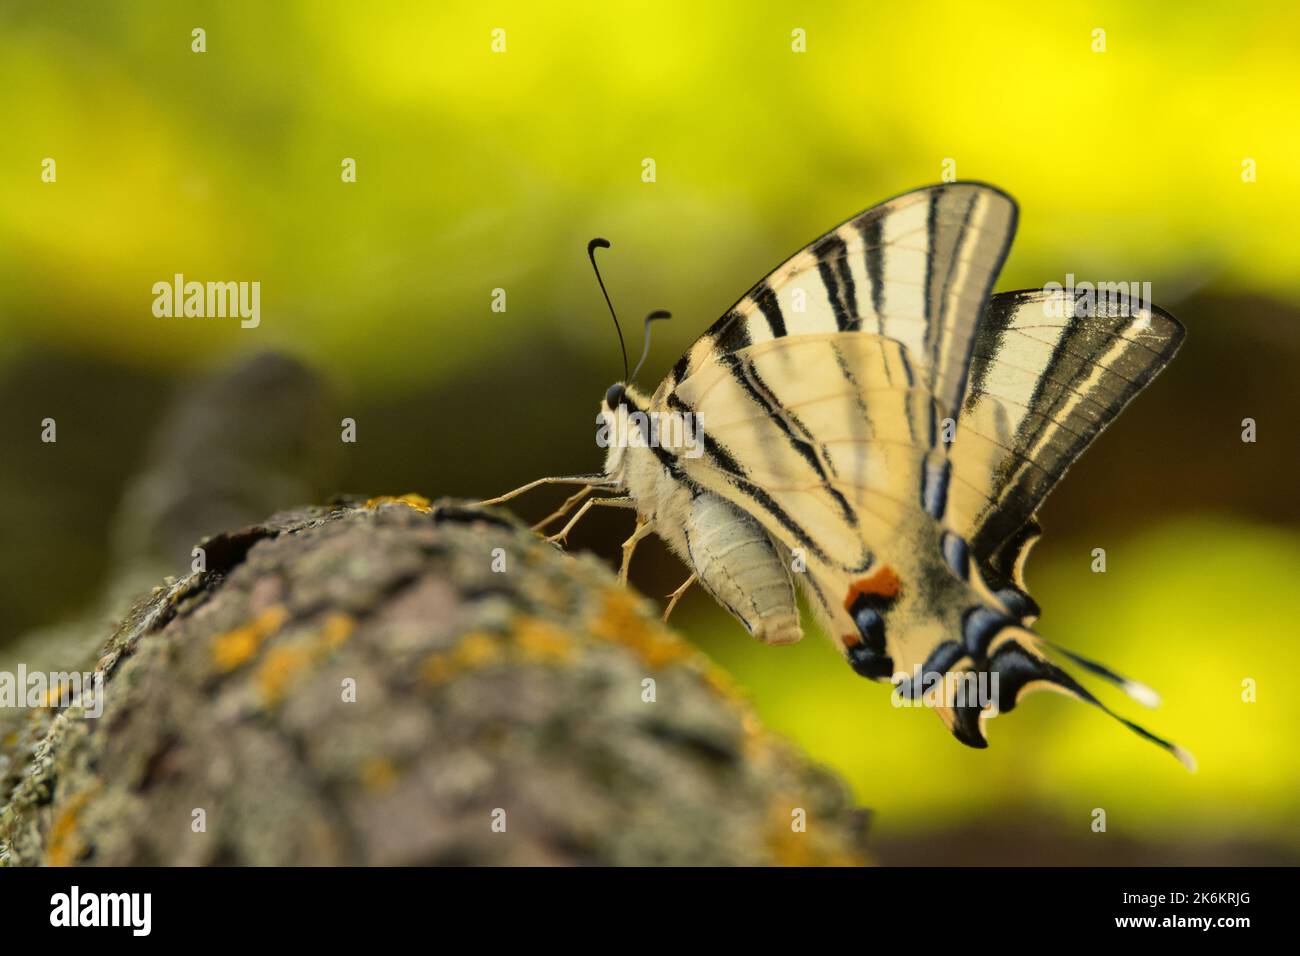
[[410, 499], [619, 620], [235, 648], [541, 640], [476, 649], [337, 629], [806, 847], [378, 775], [280, 664], [65, 846], [278, 670]]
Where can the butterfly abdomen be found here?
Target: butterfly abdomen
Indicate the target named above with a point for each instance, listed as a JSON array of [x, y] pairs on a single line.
[[740, 566]]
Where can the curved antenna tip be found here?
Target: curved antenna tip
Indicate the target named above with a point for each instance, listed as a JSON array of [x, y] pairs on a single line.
[[654, 316]]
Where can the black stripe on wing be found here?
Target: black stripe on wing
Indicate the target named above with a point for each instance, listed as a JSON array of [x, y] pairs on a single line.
[[738, 476], [800, 440], [837, 277], [872, 231], [732, 333], [1087, 369], [917, 268], [770, 308], [723, 461]]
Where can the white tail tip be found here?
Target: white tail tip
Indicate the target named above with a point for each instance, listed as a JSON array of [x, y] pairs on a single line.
[[1141, 693]]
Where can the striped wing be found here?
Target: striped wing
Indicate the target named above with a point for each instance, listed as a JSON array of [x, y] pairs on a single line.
[[1049, 371], [826, 439], [917, 269], [818, 396], [823, 437], [818, 393]]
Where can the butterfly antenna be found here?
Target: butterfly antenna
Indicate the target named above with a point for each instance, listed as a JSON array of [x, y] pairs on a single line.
[[652, 317], [592, 246]]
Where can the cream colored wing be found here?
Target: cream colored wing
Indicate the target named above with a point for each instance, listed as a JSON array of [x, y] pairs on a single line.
[[825, 436], [820, 396], [819, 392], [828, 441], [917, 269], [1050, 370]]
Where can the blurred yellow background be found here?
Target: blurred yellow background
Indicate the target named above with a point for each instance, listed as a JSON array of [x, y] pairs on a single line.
[[1168, 157]]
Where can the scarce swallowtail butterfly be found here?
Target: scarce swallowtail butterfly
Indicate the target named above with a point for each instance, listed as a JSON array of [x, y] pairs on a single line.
[[869, 423]]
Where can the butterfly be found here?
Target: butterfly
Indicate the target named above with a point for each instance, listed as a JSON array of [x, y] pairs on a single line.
[[870, 426]]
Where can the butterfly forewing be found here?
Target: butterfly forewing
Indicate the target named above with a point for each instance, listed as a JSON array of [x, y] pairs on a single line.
[[917, 269], [829, 461]]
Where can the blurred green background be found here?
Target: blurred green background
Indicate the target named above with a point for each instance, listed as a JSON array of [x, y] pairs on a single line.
[[479, 170]]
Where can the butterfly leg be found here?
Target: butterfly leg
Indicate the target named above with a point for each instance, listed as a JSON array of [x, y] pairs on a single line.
[[677, 595], [644, 527], [565, 508], [595, 480], [563, 534]]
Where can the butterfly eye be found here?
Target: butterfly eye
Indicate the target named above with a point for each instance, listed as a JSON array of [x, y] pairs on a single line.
[[616, 396]]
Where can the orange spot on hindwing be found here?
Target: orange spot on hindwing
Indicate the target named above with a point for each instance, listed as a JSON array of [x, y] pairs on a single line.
[[882, 582], [866, 602]]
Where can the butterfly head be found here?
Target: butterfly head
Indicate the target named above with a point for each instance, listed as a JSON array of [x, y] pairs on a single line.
[[615, 397], [622, 425]]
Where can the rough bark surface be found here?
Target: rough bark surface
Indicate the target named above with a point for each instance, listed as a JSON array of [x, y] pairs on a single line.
[[355, 683]]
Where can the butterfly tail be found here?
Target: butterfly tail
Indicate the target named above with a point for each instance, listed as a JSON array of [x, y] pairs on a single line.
[[1144, 695], [1016, 668]]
